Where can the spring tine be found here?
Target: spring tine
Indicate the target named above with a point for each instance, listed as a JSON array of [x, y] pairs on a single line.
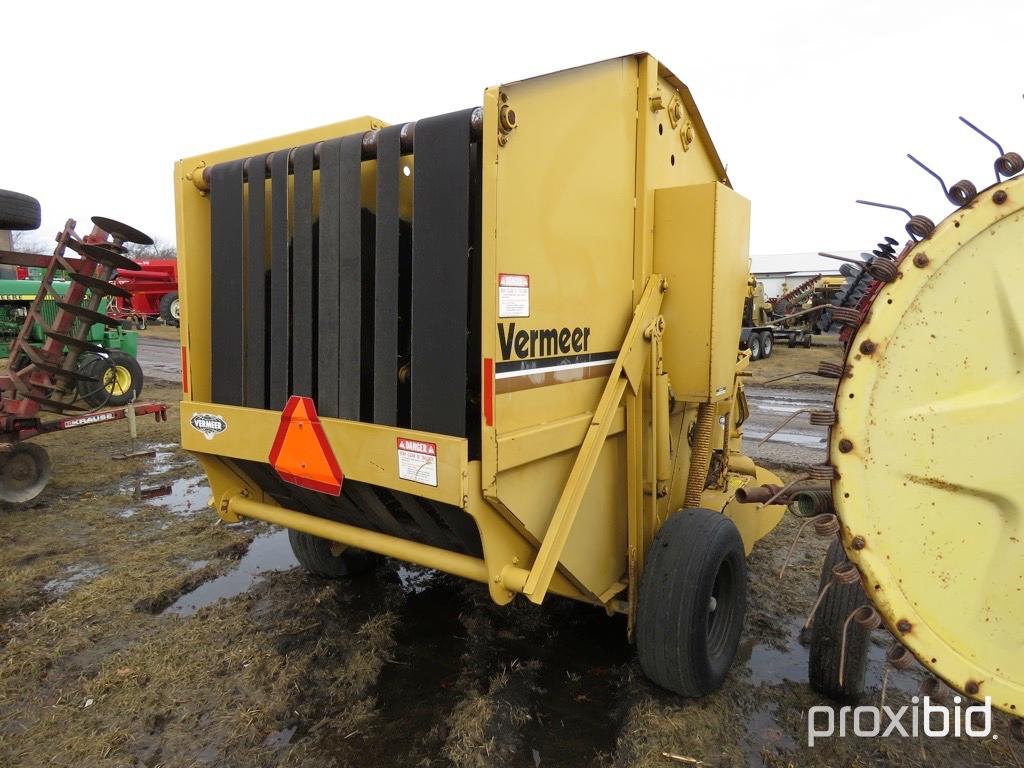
[[867, 617], [915, 226], [898, 656], [998, 146], [858, 262], [830, 370], [783, 423], [934, 689], [928, 170]]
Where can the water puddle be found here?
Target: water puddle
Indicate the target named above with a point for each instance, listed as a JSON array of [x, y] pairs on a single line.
[[415, 579], [74, 575], [767, 665], [185, 495], [270, 552]]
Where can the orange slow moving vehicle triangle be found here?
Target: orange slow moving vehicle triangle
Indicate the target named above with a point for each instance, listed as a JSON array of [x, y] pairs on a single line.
[[301, 454]]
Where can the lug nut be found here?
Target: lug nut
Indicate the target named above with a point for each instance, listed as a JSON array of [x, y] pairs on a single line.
[[972, 688], [845, 445], [867, 347], [921, 260], [904, 626], [999, 197], [858, 542]]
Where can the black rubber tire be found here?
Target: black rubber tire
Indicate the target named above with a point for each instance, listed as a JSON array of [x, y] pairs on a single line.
[[18, 211], [96, 395], [683, 644], [167, 304], [314, 554], [827, 636], [755, 346], [767, 344], [807, 341]]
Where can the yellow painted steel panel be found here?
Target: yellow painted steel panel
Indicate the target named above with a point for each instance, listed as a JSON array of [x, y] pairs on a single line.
[[365, 452], [932, 411], [701, 246]]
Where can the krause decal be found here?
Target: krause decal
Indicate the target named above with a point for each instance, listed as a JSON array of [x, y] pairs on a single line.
[[208, 424], [417, 461]]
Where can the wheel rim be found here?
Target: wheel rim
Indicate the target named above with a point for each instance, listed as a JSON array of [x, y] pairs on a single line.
[[721, 604], [767, 346], [176, 309], [755, 348], [117, 380], [24, 473]]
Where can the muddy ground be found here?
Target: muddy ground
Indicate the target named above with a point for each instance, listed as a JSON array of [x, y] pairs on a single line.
[[138, 631]]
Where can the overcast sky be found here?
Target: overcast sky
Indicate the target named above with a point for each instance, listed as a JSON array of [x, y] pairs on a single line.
[[811, 104]]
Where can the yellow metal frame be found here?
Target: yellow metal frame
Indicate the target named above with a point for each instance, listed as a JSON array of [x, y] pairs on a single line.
[[575, 448], [929, 414]]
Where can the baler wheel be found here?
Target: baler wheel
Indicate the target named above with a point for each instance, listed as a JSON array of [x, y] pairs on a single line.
[[24, 472], [767, 344], [318, 556], [693, 597], [755, 346], [827, 636], [170, 308], [119, 379]]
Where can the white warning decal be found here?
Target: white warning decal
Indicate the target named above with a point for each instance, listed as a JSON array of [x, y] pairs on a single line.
[[417, 461], [513, 295]]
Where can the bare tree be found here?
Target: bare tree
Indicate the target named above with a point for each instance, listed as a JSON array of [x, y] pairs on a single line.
[[160, 249], [31, 242]]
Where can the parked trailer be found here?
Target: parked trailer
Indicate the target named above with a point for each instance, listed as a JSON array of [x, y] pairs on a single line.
[[153, 293], [500, 342]]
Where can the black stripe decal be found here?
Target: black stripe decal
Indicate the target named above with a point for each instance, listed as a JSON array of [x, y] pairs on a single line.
[[552, 362]]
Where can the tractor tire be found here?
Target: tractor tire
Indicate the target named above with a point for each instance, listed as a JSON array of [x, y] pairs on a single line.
[[767, 344], [18, 211], [693, 597], [170, 308], [315, 555], [118, 380], [827, 636], [755, 346]]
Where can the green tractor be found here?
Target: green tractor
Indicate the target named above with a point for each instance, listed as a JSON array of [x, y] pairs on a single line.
[[118, 379]]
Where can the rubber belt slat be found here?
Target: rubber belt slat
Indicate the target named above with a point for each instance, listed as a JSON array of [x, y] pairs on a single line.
[[328, 278], [303, 274], [440, 274], [354, 296], [280, 283], [227, 336], [255, 289], [385, 323]]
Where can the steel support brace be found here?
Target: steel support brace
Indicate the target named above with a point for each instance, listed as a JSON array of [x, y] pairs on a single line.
[[628, 370]]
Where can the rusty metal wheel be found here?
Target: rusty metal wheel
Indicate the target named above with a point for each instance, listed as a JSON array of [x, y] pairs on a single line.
[[24, 472]]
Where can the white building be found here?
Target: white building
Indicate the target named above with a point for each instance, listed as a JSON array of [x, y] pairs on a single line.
[[781, 272]]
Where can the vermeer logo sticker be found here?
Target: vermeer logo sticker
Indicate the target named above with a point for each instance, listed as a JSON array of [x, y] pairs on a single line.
[[208, 424]]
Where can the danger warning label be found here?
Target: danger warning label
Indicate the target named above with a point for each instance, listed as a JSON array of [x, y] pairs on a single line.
[[417, 461], [513, 295]]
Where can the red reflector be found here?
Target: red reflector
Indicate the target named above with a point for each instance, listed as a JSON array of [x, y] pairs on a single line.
[[301, 454], [184, 370], [489, 391]]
